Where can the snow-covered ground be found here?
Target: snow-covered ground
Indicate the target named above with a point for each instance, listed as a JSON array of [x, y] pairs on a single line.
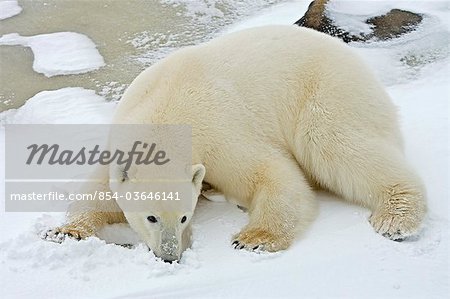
[[340, 255]]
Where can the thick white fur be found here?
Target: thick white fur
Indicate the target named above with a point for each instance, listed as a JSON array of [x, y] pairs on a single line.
[[275, 110]]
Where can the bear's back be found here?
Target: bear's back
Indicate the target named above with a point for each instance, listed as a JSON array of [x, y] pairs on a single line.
[[246, 94], [258, 70]]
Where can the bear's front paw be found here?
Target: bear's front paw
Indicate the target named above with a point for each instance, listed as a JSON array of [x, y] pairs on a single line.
[[260, 239], [59, 234], [393, 226]]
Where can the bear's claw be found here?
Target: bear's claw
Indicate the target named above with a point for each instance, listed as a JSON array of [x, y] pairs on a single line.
[[259, 240], [58, 235], [393, 227], [53, 235], [397, 237], [237, 245]]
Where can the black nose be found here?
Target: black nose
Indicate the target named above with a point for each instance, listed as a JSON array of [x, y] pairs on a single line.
[[171, 261], [169, 258]]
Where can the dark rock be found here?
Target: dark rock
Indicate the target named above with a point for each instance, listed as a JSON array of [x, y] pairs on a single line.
[[315, 18], [393, 24]]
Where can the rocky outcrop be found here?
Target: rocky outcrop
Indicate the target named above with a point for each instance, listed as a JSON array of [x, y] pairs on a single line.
[[393, 24], [315, 18]]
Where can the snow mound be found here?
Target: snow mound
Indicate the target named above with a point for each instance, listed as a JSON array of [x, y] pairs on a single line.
[[9, 8], [60, 53], [82, 260], [71, 105]]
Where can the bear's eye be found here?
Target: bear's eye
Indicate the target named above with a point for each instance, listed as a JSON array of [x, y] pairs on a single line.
[[183, 220], [152, 219]]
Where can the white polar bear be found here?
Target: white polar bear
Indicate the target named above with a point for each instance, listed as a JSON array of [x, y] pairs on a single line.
[[274, 110]]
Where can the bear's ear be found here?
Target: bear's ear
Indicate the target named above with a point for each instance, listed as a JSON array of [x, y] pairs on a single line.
[[198, 173]]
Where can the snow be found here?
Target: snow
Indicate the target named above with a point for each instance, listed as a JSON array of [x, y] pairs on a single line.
[[339, 257], [60, 53], [351, 17], [279, 14], [9, 8], [71, 105]]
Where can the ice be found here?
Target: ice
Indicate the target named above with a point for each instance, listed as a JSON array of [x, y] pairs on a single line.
[[9, 8], [60, 53], [204, 10], [207, 19]]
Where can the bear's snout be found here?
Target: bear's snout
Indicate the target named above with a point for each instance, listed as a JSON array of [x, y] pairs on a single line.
[[170, 248]]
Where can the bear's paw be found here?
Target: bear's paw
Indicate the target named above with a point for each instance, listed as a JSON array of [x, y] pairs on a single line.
[[393, 226], [59, 234], [258, 239]]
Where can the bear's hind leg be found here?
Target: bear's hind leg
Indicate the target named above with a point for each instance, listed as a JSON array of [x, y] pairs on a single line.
[[372, 173], [399, 202], [283, 204]]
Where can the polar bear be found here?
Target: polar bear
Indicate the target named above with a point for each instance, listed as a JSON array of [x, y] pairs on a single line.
[[275, 111]]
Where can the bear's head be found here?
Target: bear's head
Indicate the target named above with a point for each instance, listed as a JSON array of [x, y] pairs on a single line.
[[164, 225]]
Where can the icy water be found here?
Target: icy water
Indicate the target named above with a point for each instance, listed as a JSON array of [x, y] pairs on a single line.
[[130, 35]]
